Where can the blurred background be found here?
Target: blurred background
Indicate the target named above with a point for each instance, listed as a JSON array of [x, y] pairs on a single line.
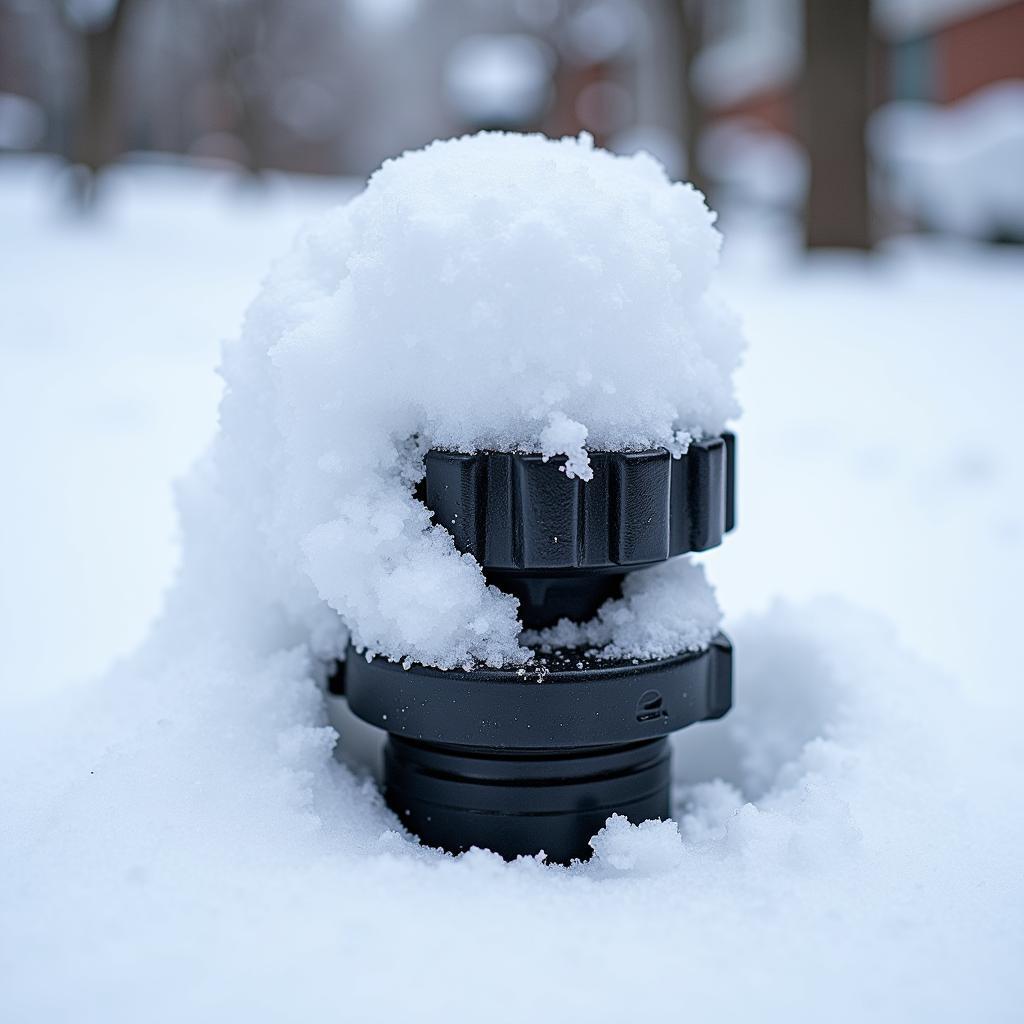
[[854, 120], [867, 160]]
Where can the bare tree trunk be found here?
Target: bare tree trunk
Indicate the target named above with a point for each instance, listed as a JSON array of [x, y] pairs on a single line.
[[692, 24], [835, 104], [684, 22], [94, 143], [244, 32]]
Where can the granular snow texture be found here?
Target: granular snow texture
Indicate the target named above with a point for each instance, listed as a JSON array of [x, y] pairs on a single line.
[[664, 610], [176, 842], [494, 292], [180, 845]]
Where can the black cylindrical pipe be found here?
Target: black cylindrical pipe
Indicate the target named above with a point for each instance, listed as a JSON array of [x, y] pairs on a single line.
[[513, 801], [524, 760]]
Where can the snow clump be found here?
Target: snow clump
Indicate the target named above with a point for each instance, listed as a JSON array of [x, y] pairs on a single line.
[[664, 610], [500, 292], [650, 848]]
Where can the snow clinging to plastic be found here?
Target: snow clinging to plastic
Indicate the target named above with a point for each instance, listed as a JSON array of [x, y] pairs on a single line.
[[493, 292]]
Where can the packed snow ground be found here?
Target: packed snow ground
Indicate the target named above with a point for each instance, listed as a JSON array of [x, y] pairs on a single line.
[[177, 842]]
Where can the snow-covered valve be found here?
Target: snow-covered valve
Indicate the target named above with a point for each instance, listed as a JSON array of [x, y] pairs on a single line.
[[537, 758]]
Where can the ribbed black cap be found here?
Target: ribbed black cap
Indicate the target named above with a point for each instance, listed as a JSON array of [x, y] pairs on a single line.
[[517, 512]]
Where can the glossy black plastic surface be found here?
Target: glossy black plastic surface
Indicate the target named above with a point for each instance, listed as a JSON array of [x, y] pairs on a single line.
[[523, 760], [523, 802], [562, 701], [521, 513]]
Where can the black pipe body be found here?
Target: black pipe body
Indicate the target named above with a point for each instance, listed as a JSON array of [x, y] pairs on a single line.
[[524, 760]]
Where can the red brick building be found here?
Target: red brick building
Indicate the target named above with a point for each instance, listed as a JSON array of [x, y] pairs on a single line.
[[931, 50]]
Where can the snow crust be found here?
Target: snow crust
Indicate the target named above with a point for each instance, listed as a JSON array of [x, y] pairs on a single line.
[[493, 292]]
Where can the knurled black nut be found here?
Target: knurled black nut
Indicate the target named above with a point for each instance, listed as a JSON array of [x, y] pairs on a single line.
[[511, 512]]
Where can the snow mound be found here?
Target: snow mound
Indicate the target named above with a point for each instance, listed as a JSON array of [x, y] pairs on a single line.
[[493, 292], [851, 827]]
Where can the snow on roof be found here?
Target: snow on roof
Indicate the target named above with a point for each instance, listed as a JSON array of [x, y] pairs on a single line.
[[957, 168], [908, 18]]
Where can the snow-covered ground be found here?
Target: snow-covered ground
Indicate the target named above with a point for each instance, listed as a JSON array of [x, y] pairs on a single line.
[[178, 849]]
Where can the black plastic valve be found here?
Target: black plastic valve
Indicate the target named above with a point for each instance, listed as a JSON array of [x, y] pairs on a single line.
[[531, 759]]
